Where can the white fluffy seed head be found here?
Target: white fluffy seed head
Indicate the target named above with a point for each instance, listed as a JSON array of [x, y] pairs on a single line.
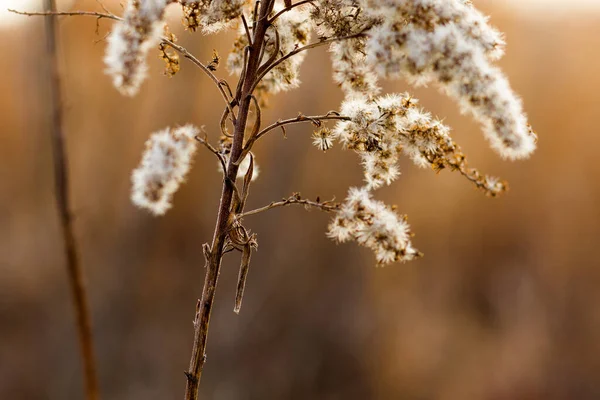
[[374, 225], [129, 42], [450, 43], [351, 70], [165, 163]]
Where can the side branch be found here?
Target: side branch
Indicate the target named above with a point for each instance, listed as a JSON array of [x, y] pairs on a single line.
[[298, 4], [61, 192], [316, 119], [183, 51], [327, 206], [212, 149]]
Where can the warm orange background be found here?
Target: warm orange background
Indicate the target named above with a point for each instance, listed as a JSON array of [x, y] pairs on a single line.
[[504, 306]]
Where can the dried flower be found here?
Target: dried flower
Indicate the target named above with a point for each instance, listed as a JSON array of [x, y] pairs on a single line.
[[168, 55], [323, 139]]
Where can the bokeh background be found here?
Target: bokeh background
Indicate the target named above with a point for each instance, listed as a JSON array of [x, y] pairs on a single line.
[[505, 305]]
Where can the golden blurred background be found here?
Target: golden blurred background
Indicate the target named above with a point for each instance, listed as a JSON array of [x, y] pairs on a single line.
[[505, 305]]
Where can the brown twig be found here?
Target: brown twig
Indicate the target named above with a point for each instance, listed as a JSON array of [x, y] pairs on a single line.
[[74, 269], [332, 115], [206, 70], [327, 206]]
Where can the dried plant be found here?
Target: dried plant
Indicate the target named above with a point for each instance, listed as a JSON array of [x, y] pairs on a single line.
[[445, 42]]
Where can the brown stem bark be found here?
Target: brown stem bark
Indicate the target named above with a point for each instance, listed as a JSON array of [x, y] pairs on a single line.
[[213, 265], [75, 273]]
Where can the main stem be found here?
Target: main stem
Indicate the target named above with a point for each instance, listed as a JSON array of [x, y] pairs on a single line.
[[75, 273], [213, 265]]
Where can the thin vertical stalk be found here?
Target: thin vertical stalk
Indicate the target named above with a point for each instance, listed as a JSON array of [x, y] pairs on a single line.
[[61, 180], [214, 256]]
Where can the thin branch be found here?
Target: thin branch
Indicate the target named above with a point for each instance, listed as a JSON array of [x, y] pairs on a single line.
[[298, 4], [103, 6], [332, 115], [68, 14], [304, 48], [327, 206], [205, 69], [212, 149], [182, 50], [61, 177]]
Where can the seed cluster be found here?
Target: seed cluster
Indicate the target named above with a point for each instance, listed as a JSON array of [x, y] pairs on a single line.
[[445, 42]]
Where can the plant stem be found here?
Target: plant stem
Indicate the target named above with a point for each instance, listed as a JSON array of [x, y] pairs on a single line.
[[75, 273], [213, 262], [327, 206]]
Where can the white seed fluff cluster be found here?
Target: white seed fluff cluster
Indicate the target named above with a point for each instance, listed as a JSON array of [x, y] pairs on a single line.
[[429, 14], [450, 43], [381, 129], [351, 71], [341, 18], [374, 225], [165, 163], [446, 42], [129, 43], [211, 15]]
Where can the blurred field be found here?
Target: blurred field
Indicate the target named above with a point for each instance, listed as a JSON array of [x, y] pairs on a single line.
[[504, 306]]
